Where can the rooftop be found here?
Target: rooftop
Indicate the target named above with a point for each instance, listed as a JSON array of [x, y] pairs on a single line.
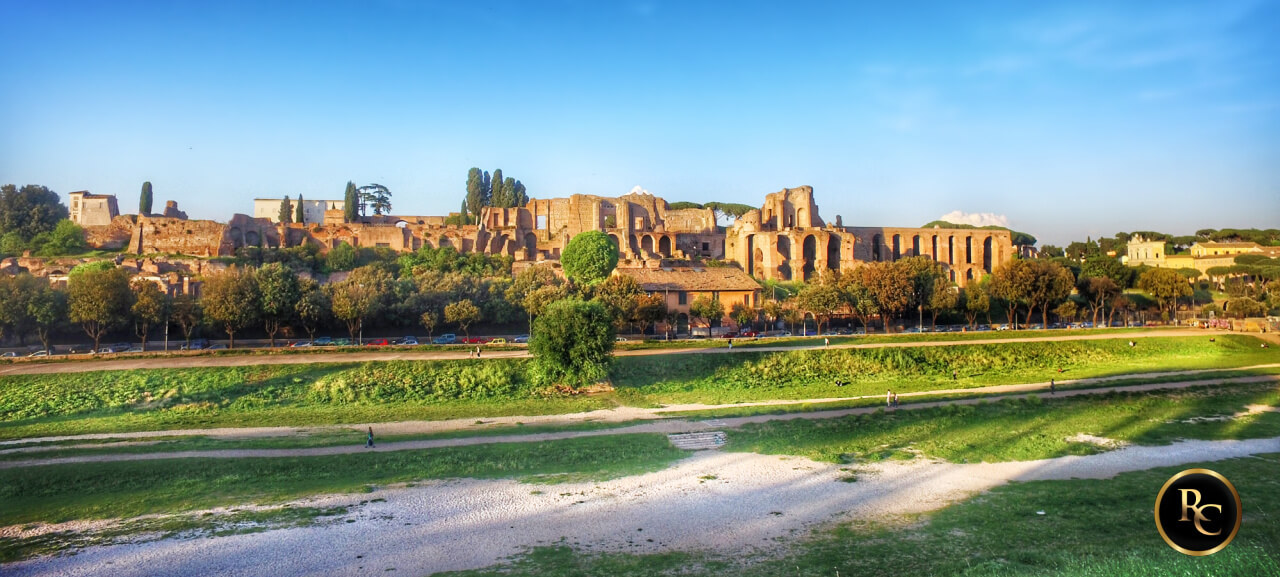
[[694, 279], [1229, 244]]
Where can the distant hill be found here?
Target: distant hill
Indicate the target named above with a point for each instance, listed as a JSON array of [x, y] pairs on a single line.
[[1019, 238]]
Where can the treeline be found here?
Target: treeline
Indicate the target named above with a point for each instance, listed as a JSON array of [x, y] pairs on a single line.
[[486, 190], [1173, 244], [1019, 238]]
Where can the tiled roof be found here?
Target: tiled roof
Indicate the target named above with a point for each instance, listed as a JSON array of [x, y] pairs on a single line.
[[1228, 244], [695, 279]]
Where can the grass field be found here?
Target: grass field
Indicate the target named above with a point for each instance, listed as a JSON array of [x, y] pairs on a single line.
[[1090, 528], [1021, 429], [299, 395], [810, 374], [56, 493]]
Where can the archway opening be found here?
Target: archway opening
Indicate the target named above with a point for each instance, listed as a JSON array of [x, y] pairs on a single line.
[[986, 254], [833, 253], [897, 246], [968, 250], [530, 246], [915, 245], [877, 241], [664, 247], [951, 250], [646, 244], [784, 247]]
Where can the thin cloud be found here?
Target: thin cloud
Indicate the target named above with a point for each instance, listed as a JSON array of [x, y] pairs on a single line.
[[976, 218]]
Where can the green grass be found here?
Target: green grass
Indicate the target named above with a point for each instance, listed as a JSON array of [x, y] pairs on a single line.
[[809, 374], [282, 395], [1091, 528], [881, 338], [1020, 429], [56, 493]]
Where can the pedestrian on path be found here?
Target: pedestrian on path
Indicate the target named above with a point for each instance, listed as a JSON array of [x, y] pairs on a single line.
[[477, 352], [955, 374], [368, 443], [895, 399], [1053, 390], [888, 398], [731, 344], [826, 341]]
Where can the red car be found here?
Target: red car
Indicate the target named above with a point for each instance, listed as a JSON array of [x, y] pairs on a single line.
[[476, 340], [748, 334], [729, 336], [377, 343]]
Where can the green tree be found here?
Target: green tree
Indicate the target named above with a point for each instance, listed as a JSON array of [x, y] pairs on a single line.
[[890, 285], [377, 196], [429, 320], [313, 306], [285, 216], [66, 238], [1010, 284], [359, 297], [944, 299], [821, 300], [230, 300], [709, 309], [925, 274], [341, 257], [649, 310], [144, 199], [29, 210], [150, 307], [1244, 307], [1112, 268], [280, 293], [497, 194], [474, 202], [16, 293], [974, 302], [47, 308], [12, 244], [1066, 311], [742, 315], [1098, 292], [462, 313], [773, 312], [861, 302], [620, 295], [528, 283], [1048, 285], [99, 298], [520, 196], [351, 206], [572, 344], [1165, 285], [589, 257], [299, 216], [188, 314]]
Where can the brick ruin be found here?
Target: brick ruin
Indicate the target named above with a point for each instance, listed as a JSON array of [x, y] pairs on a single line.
[[785, 239]]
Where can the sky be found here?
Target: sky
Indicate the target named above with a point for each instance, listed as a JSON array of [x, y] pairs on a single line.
[[1070, 120]]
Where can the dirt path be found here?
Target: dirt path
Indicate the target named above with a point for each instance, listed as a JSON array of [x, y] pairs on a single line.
[[732, 504], [177, 362], [665, 426]]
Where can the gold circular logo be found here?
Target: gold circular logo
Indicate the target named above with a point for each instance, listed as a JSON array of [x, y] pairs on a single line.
[[1198, 512]]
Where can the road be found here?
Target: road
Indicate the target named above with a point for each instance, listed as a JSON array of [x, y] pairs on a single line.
[[215, 360]]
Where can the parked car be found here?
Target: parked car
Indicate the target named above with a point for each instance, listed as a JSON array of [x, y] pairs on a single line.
[[300, 344], [39, 354], [217, 347], [619, 339], [476, 340], [729, 336], [409, 341], [377, 343], [498, 341], [134, 350], [9, 355], [343, 342], [196, 344], [520, 339], [322, 342], [447, 339], [749, 334]]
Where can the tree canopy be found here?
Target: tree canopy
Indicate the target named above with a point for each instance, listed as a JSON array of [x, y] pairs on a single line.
[[572, 344], [29, 211], [589, 257]]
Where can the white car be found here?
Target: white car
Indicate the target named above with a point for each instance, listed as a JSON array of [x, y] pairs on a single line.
[[39, 354]]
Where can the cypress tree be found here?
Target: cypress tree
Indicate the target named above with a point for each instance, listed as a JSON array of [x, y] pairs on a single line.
[[298, 216], [286, 211], [496, 195], [475, 190], [351, 203], [509, 193], [144, 201]]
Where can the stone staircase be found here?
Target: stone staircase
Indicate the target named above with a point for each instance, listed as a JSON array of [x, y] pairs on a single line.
[[698, 441]]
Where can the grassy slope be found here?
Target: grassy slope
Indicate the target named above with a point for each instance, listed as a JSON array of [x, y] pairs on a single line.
[[1091, 528], [809, 374], [124, 489], [110, 401]]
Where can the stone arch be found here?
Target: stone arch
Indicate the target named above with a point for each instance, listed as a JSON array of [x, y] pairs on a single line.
[[445, 241], [986, 254], [934, 254], [785, 271], [951, 249], [237, 237], [968, 275], [252, 238], [613, 238], [426, 243], [968, 250], [753, 256], [915, 245], [809, 252], [877, 242], [664, 246], [758, 265], [784, 247], [497, 243], [646, 244], [897, 246], [530, 246], [953, 274], [799, 216], [833, 252], [634, 244]]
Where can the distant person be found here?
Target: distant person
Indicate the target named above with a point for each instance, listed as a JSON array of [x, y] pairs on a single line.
[[477, 352], [1053, 388], [1132, 344], [888, 398], [895, 399], [826, 341], [955, 374], [731, 344], [368, 443]]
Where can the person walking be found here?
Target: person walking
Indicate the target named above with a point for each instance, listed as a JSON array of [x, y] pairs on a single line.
[[888, 398], [477, 351], [895, 399], [826, 341], [368, 443], [731, 344], [1053, 389], [955, 374]]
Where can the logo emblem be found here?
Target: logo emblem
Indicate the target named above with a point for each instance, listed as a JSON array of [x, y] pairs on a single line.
[[1198, 512]]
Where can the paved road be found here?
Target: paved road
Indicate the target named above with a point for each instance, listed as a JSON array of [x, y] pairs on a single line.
[[194, 361], [667, 426]]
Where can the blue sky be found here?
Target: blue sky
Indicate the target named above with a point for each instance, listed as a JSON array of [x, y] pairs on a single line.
[[1079, 119]]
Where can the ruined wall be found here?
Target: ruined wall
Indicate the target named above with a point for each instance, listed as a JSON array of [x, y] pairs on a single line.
[[113, 236]]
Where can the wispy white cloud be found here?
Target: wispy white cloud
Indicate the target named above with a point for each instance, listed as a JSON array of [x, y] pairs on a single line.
[[975, 218]]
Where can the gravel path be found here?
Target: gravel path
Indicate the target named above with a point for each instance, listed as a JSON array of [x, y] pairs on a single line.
[[733, 503], [195, 361], [666, 426]]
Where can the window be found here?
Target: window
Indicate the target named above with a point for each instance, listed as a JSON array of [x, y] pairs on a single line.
[[706, 247], [542, 222], [682, 298]]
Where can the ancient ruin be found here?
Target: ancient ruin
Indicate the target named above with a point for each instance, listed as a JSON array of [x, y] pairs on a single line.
[[785, 239]]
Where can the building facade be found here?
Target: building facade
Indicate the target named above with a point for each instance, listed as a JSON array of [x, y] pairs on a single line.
[[88, 209], [312, 210]]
